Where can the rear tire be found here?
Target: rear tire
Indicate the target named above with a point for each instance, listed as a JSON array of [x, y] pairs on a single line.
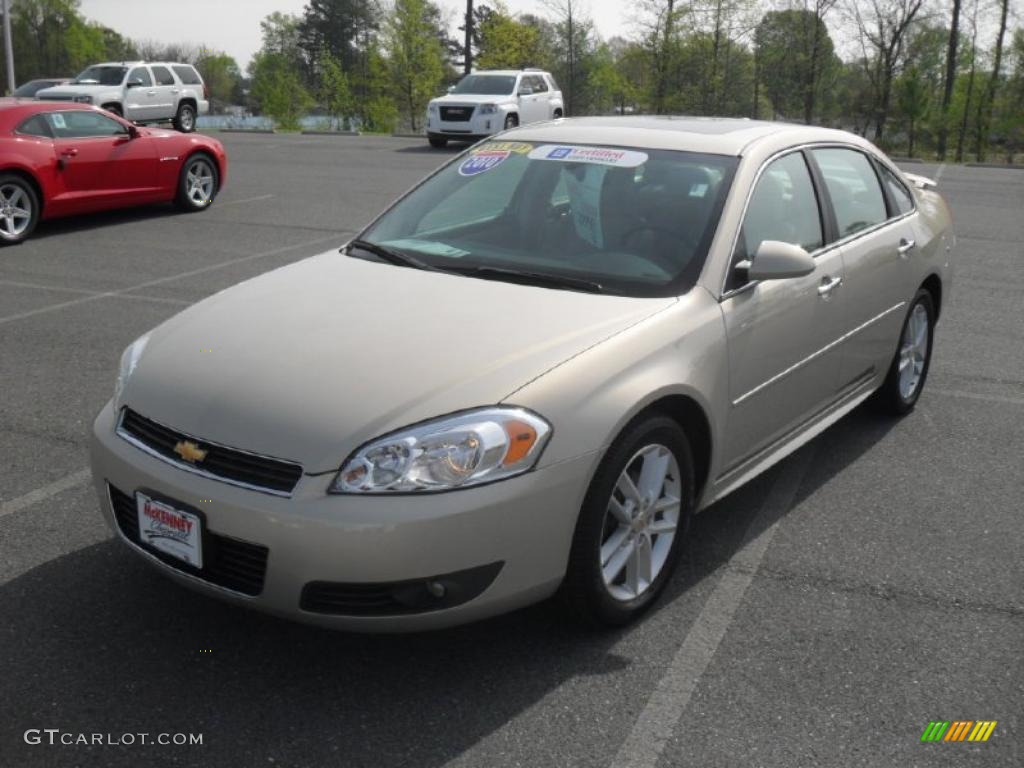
[[198, 183], [902, 387], [617, 568], [19, 209], [438, 142], [185, 119], [114, 109]]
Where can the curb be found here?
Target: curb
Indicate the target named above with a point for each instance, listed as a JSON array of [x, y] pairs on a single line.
[[408, 135], [331, 133], [1008, 166]]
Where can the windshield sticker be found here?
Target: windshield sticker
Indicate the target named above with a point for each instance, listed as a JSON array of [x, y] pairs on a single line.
[[698, 190], [584, 187], [620, 158], [58, 120], [483, 161], [503, 146], [432, 247]]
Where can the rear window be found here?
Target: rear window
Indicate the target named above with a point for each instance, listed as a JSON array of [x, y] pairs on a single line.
[[637, 221], [187, 75], [163, 76]]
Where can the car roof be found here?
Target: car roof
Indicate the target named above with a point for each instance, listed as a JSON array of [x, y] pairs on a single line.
[[14, 109], [714, 135]]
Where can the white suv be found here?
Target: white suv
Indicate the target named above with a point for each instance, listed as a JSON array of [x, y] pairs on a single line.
[[487, 102], [140, 91]]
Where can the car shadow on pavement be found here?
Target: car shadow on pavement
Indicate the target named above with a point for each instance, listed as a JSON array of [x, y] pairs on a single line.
[[103, 219], [97, 641], [426, 149]]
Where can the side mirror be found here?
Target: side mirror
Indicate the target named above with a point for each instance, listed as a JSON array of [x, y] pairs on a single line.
[[525, 90], [776, 260], [135, 82], [133, 132]]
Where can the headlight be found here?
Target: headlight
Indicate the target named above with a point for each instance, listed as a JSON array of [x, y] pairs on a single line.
[[129, 360], [83, 99], [488, 109], [458, 451]]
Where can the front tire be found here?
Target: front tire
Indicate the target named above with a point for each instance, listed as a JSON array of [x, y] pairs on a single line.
[[198, 183], [114, 109], [185, 119], [902, 387], [511, 121], [632, 525], [19, 209]]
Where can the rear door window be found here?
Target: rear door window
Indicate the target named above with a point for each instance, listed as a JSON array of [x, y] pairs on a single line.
[[163, 76], [853, 187], [36, 126], [900, 194]]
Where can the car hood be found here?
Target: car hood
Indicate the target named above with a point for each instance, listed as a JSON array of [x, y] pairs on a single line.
[[76, 90], [473, 98], [309, 361]]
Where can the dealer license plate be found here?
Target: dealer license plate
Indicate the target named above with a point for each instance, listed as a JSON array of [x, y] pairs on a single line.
[[174, 531]]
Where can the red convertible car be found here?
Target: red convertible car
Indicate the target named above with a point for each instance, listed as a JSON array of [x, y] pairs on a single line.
[[61, 159]]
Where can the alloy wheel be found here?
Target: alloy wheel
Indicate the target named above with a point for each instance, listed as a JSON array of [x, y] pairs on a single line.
[[640, 522], [15, 211], [913, 351], [199, 183]]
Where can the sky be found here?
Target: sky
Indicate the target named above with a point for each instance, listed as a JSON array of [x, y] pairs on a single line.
[[233, 26]]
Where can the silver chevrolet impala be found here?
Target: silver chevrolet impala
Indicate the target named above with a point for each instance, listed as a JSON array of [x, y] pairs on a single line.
[[528, 374]]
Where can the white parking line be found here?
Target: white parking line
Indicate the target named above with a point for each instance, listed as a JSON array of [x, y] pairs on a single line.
[[83, 291], [660, 716], [938, 173], [246, 200], [337, 237], [47, 491], [1009, 400]]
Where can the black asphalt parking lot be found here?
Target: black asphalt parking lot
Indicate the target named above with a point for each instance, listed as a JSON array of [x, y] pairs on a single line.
[[824, 614]]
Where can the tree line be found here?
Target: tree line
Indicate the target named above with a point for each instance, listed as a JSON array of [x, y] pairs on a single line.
[[920, 77]]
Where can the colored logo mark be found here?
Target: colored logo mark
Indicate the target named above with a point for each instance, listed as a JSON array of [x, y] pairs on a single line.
[[959, 730], [560, 152]]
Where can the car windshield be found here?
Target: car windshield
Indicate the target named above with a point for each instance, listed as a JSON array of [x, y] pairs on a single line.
[[101, 76], [629, 221], [491, 85]]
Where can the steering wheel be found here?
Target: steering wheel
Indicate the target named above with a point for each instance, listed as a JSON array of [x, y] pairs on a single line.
[[685, 238]]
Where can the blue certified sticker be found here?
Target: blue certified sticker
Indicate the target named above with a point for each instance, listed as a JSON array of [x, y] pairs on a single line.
[[479, 162], [559, 152]]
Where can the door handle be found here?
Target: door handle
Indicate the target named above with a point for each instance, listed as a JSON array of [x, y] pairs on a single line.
[[175, 90], [828, 284], [72, 152], [905, 247], [151, 93]]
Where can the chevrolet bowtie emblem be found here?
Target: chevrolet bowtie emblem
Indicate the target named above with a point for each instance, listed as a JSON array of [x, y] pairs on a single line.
[[189, 451]]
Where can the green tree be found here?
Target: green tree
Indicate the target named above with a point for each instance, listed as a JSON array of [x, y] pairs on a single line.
[[507, 43], [914, 102], [334, 93], [278, 90], [795, 59], [221, 74], [415, 59]]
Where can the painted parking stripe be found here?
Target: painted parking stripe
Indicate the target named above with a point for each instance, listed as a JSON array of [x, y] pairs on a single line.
[[336, 237], [86, 292], [66, 483], [660, 716]]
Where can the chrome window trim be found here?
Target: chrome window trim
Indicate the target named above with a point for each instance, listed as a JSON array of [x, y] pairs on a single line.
[[828, 347], [724, 294], [128, 437]]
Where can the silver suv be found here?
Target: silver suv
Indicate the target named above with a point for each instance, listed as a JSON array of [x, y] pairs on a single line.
[[140, 91]]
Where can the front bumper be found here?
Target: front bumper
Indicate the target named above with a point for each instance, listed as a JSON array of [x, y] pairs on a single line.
[[525, 523], [477, 127]]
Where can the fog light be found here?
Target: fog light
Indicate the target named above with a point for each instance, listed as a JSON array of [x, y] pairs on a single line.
[[436, 589]]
